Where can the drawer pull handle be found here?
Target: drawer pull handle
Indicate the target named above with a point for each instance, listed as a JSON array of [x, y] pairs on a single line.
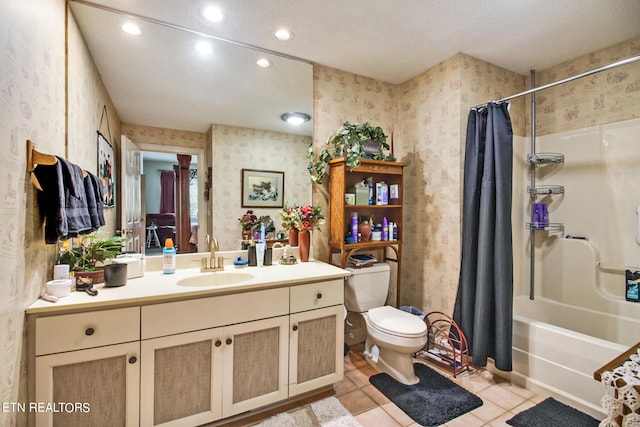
[[133, 360], [89, 331], [218, 343], [228, 341], [319, 296], [295, 327]]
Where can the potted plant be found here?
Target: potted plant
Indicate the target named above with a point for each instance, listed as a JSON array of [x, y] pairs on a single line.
[[353, 142], [249, 223], [88, 257]]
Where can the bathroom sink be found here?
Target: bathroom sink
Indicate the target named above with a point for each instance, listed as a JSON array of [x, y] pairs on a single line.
[[215, 279]]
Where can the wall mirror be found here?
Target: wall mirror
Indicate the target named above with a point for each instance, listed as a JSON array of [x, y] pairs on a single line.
[[161, 78]]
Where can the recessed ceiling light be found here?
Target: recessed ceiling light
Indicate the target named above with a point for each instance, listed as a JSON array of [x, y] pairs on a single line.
[[204, 47], [212, 14], [295, 118], [283, 34], [131, 28], [263, 62]]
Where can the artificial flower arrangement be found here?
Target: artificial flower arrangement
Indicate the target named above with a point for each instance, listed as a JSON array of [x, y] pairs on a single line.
[[301, 217], [290, 217], [249, 221]]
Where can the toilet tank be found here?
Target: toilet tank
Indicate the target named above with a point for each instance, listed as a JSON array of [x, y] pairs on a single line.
[[367, 287]]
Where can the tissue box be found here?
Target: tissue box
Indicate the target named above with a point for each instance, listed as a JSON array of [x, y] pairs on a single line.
[[135, 264]]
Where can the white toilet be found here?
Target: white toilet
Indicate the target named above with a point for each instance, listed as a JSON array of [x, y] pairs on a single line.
[[392, 335]]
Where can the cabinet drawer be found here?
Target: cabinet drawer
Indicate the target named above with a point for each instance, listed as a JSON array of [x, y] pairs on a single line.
[[317, 295], [184, 316], [69, 332]]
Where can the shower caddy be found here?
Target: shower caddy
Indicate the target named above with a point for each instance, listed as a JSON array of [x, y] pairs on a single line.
[[446, 343]]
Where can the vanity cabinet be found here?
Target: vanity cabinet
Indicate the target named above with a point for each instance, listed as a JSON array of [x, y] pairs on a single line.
[[316, 352], [87, 369], [342, 179], [189, 362]]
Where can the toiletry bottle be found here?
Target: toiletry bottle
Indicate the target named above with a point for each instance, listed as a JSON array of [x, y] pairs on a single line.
[[260, 248], [251, 254], [370, 185], [168, 257], [385, 229], [354, 226]]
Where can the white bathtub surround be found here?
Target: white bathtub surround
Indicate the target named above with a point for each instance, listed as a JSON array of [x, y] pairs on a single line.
[[579, 319]]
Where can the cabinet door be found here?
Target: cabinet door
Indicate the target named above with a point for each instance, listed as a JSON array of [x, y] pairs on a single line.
[[180, 379], [255, 368], [95, 387], [316, 349]]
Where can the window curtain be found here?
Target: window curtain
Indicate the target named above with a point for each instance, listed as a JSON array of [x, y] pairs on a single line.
[[167, 192], [484, 301]]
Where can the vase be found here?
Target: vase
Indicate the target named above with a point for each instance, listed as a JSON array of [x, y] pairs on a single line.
[[246, 234], [364, 228], [293, 237], [304, 244]]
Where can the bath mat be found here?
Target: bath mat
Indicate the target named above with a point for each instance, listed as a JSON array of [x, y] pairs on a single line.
[[551, 413], [433, 401], [327, 412]]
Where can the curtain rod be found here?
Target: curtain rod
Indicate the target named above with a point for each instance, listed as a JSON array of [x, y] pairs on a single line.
[[568, 79]]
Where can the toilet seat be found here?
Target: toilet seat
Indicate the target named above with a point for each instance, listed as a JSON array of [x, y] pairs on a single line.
[[392, 321]]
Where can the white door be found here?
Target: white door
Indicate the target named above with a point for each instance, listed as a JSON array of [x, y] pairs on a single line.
[[132, 219]]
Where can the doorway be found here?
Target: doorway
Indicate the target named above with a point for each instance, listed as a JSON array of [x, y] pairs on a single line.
[[161, 202]]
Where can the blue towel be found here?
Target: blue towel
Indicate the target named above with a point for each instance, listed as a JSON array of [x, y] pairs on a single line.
[[76, 207], [63, 201], [95, 205]]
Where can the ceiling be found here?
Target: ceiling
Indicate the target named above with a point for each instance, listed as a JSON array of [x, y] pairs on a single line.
[[380, 39]]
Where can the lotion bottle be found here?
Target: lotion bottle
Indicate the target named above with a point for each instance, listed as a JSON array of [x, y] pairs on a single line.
[[169, 257]]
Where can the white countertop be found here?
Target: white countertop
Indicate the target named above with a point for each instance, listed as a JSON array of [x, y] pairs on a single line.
[[156, 287]]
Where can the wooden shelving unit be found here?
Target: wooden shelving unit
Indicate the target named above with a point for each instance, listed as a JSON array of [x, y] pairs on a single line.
[[342, 178]]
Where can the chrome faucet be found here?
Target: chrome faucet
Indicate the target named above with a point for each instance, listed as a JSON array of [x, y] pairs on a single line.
[[214, 264]]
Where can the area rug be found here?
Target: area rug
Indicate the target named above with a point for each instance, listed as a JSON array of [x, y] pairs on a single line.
[[433, 401], [551, 413], [327, 412]]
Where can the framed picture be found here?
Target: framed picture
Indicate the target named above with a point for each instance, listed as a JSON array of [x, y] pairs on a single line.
[[262, 189], [106, 171]]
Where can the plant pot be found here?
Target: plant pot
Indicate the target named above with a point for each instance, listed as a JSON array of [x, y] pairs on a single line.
[[96, 277]]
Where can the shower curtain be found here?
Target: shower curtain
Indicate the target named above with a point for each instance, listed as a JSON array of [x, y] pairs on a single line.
[[167, 192], [484, 302]]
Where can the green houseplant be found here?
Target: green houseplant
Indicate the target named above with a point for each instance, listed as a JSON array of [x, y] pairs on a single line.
[[353, 142], [90, 253]]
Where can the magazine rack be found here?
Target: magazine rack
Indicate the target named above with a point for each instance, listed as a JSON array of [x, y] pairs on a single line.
[[446, 343]]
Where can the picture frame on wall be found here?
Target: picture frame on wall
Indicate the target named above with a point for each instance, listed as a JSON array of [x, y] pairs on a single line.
[[106, 171], [262, 188]]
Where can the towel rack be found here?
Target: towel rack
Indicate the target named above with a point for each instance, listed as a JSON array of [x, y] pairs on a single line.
[[34, 158]]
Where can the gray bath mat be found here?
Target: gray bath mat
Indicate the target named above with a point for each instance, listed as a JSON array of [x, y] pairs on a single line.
[[433, 401], [551, 413]]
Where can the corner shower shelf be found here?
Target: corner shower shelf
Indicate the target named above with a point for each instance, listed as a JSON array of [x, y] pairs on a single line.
[[545, 158], [552, 226], [546, 189]]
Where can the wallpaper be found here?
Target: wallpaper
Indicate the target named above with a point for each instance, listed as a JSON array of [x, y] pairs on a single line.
[[601, 98], [32, 94]]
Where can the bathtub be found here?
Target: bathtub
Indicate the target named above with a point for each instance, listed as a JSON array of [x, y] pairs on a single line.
[[571, 328]]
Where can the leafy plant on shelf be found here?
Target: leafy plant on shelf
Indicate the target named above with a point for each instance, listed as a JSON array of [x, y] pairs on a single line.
[[353, 142]]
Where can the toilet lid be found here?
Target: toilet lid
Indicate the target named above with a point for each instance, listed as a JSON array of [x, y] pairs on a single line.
[[396, 322]]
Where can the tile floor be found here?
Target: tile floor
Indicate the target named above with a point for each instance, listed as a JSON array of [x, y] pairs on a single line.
[[501, 400]]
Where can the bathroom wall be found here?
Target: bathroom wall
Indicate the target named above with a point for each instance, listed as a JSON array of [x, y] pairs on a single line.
[[32, 94], [236, 148], [590, 121]]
